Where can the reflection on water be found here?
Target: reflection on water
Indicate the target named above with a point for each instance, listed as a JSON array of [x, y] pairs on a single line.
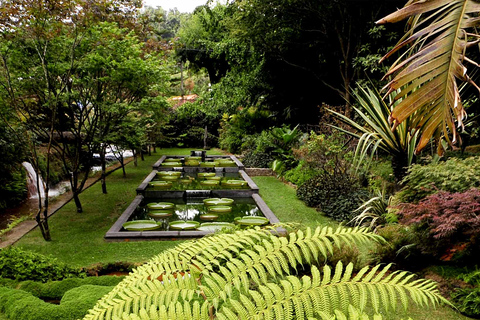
[[192, 209]]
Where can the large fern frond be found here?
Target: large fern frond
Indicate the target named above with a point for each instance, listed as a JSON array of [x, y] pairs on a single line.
[[324, 296], [245, 275], [427, 73]]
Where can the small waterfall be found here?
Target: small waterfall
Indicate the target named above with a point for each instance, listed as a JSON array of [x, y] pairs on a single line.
[[33, 192], [197, 193]]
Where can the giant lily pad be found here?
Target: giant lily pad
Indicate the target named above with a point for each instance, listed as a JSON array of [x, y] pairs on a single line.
[[160, 214], [226, 163], [218, 178], [219, 209], [171, 160], [218, 202], [160, 184], [141, 225], [183, 225], [209, 164], [209, 216], [192, 163], [169, 178], [215, 226], [209, 183], [169, 173], [160, 205], [185, 181], [206, 174], [171, 164], [234, 183], [251, 221]]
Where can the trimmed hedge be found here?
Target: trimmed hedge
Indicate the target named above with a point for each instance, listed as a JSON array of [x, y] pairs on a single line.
[[57, 289], [22, 305]]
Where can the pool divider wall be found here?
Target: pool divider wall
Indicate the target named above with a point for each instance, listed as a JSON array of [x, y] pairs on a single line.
[[115, 233], [239, 164], [221, 193]]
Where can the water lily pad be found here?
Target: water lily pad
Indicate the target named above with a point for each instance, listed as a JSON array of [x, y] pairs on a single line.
[[218, 178], [160, 184], [192, 163], [171, 160], [209, 216], [251, 221], [209, 182], [160, 214], [234, 183], [218, 202], [206, 174], [193, 158], [160, 205], [171, 164], [183, 225], [169, 178], [209, 164], [185, 181], [219, 209], [226, 163], [169, 173], [215, 226], [141, 225]]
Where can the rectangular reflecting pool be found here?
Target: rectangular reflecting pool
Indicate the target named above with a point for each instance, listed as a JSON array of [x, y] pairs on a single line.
[[189, 217]]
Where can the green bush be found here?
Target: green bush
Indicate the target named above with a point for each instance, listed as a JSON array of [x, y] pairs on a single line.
[[25, 265], [300, 174], [453, 175], [335, 195], [400, 248], [253, 159], [21, 305]]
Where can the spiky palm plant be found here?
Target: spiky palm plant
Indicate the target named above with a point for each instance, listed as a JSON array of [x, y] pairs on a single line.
[[376, 132], [250, 275], [428, 72]]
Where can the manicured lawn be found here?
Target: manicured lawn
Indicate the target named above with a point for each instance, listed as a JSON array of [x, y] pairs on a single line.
[[283, 201]]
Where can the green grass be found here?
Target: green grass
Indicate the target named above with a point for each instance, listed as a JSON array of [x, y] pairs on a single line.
[[283, 201], [77, 238]]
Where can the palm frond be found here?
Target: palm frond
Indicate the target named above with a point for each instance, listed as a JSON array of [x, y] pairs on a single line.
[[426, 74]]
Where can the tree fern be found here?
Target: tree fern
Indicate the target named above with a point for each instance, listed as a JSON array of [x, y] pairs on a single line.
[[251, 275]]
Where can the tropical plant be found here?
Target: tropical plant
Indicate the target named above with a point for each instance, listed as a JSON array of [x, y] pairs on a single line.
[[439, 32], [377, 134], [374, 211], [249, 275]]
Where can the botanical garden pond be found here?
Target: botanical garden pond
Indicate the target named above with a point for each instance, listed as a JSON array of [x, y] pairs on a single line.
[[192, 201]]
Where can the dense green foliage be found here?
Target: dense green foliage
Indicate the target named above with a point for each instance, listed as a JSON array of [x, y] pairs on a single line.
[[335, 195], [25, 265], [254, 159], [453, 175]]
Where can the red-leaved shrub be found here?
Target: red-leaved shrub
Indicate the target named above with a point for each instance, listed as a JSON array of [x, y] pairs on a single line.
[[448, 223]]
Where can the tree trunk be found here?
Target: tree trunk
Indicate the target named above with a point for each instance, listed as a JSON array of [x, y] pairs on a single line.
[[149, 149], [104, 168], [400, 168], [135, 162], [122, 163], [142, 155], [78, 204]]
